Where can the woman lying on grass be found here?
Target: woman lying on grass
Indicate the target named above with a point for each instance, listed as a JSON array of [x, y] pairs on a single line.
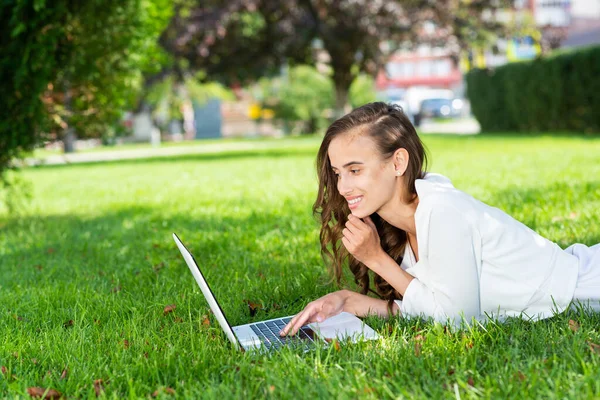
[[434, 251]]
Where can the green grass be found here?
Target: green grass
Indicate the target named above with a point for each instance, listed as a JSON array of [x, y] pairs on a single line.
[[88, 267]]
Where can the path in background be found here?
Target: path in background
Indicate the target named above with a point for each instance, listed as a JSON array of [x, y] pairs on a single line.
[[196, 147], [461, 127]]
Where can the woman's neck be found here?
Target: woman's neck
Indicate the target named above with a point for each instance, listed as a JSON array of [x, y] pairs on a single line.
[[400, 214]]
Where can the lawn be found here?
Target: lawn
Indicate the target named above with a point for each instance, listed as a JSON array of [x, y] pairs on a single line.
[[88, 267]]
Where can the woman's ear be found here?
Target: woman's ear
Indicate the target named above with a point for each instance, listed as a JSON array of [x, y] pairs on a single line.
[[400, 160]]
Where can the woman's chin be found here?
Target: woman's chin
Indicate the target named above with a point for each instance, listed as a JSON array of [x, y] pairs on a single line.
[[359, 213]]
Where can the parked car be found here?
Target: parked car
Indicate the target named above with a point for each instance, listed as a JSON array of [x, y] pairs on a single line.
[[441, 108]]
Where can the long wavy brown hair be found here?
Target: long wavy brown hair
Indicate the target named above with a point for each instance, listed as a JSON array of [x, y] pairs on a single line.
[[390, 129]]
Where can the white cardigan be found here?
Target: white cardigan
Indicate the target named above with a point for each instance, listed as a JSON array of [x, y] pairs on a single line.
[[477, 261]]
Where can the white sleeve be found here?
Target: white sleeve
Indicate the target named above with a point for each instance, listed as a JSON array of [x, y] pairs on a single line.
[[449, 284]]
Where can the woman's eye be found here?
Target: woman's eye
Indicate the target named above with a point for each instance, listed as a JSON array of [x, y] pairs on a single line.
[[355, 171]]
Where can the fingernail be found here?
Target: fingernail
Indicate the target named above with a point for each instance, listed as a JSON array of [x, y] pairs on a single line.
[[319, 319]]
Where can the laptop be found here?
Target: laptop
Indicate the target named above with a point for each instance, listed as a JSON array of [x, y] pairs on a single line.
[[265, 334]]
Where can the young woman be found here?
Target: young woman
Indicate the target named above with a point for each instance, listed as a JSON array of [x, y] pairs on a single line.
[[433, 250]]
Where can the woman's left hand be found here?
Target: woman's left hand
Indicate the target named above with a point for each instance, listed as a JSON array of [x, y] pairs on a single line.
[[361, 239]]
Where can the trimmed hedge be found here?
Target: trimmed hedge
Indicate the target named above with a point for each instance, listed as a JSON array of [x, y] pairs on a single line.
[[557, 93]]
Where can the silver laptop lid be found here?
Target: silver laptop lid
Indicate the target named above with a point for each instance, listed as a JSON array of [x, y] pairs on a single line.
[[212, 302]]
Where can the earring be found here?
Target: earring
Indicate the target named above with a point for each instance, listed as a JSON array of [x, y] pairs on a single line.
[[398, 173]]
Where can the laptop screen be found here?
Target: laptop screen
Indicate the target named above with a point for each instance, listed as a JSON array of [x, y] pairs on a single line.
[[205, 288]]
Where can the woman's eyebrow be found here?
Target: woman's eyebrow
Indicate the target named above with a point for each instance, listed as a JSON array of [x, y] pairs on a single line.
[[351, 163], [348, 164]]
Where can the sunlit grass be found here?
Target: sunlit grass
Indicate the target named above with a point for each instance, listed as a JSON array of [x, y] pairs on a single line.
[[88, 267]]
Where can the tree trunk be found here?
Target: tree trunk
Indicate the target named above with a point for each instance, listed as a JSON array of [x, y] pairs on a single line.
[[69, 137], [69, 140], [341, 99]]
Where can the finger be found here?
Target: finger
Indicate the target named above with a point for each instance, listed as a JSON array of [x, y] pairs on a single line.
[[300, 322], [297, 322], [286, 329], [348, 234], [347, 244], [356, 225]]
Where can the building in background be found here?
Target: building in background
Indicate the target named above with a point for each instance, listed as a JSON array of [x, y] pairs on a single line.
[[540, 26]]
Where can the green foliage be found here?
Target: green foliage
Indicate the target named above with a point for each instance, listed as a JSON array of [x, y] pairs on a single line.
[[362, 90], [558, 93], [87, 269], [72, 63], [301, 98]]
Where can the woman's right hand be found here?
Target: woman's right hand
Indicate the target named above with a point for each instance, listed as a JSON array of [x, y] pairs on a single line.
[[317, 311]]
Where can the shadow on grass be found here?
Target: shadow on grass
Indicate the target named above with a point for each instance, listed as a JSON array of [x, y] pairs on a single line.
[[269, 260]]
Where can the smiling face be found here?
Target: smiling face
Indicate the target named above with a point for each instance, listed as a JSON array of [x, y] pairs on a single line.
[[364, 178]]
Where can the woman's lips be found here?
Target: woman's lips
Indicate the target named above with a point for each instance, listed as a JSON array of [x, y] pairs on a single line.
[[355, 202]]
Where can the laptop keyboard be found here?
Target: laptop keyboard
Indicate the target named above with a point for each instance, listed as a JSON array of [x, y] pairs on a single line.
[[268, 332]]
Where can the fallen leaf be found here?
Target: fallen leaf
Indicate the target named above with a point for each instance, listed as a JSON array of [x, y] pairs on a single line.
[[573, 325], [261, 276], [271, 389], [34, 361], [38, 267], [167, 390], [68, 324], [50, 250], [336, 345], [36, 392], [470, 381], [155, 245], [178, 319], [451, 372], [116, 289], [63, 375], [158, 267], [418, 349], [98, 387], [595, 348], [3, 370], [205, 320], [521, 376], [469, 345], [253, 307], [126, 343], [169, 308]]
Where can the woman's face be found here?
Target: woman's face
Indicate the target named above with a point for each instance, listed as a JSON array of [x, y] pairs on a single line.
[[366, 181]]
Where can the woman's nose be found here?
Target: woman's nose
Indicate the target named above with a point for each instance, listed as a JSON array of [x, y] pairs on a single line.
[[343, 186]]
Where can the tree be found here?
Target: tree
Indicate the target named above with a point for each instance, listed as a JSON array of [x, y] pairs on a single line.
[[238, 41], [70, 66]]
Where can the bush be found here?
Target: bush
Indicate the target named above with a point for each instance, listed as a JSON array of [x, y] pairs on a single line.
[[557, 93]]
